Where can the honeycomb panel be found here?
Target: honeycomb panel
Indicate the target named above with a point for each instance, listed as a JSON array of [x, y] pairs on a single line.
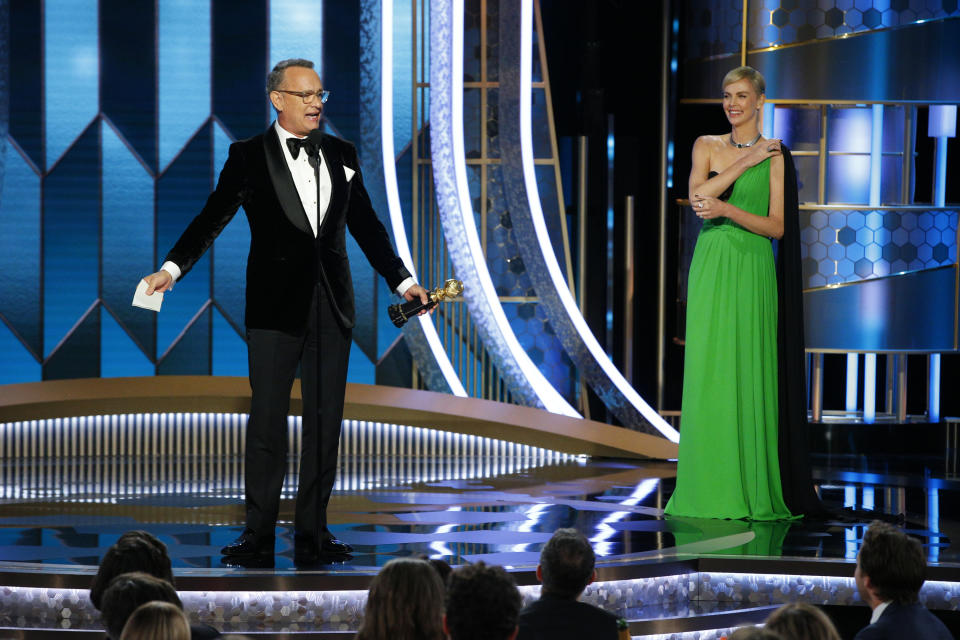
[[715, 26], [850, 245]]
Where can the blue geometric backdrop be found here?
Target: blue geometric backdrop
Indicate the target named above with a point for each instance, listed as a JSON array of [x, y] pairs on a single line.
[[120, 116]]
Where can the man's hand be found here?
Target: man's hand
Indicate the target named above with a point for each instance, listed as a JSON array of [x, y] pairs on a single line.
[[160, 281], [416, 291]]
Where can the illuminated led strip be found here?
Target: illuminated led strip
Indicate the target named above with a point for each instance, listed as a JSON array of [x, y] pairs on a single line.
[[565, 317], [524, 379], [272, 609], [423, 323]]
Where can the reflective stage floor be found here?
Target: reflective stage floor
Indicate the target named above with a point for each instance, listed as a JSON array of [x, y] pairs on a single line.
[[493, 501]]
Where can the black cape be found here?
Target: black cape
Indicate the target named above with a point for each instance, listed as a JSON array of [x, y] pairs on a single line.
[[794, 450]]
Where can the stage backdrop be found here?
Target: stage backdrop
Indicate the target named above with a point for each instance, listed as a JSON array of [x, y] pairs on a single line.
[[119, 119]]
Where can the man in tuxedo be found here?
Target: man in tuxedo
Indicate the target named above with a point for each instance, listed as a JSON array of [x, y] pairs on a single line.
[[567, 566], [300, 190], [890, 570]]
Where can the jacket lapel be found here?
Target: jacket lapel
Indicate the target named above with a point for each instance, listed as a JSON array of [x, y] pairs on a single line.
[[283, 182], [338, 182]]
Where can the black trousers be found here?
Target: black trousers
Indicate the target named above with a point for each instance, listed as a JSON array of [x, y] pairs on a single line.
[[321, 350]]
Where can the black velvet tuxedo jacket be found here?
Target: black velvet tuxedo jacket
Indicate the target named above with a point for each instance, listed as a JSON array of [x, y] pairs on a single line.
[[286, 262]]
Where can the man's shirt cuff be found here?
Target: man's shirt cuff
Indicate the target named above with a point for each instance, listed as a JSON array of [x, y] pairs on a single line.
[[406, 284], [172, 269]]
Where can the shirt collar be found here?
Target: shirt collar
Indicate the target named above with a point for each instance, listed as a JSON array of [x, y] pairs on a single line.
[[878, 611], [283, 133]]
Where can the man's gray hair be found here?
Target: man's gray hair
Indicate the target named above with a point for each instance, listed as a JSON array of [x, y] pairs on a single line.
[[275, 77]]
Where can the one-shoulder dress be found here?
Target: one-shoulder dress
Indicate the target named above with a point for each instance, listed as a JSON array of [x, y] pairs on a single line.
[[728, 461]]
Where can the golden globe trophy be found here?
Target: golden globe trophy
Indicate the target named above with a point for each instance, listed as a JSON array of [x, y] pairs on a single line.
[[400, 313]]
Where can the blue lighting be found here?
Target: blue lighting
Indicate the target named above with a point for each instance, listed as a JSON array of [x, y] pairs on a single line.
[[670, 164], [853, 365], [850, 542], [933, 399], [296, 31], [869, 387], [71, 71], [183, 77], [850, 497], [933, 522]]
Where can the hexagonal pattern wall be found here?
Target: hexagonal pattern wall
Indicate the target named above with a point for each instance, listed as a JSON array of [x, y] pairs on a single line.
[[714, 27], [848, 245]]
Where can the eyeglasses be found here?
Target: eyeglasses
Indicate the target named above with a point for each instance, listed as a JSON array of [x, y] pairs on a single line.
[[309, 96]]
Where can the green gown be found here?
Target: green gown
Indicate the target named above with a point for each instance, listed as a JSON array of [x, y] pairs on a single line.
[[728, 463]]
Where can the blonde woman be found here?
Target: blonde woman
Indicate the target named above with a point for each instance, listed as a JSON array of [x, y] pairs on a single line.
[[156, 620], [801, 621], [743, 187]]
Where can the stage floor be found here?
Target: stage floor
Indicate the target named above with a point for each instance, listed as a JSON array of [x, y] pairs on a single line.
[[59, 516], [501, 510]]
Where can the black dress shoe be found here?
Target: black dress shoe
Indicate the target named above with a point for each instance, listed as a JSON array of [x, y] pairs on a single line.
[[333, 546], [306, 549], [249, 544]]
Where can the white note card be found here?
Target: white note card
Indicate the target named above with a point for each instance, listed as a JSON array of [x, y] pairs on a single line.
[[141, 299]]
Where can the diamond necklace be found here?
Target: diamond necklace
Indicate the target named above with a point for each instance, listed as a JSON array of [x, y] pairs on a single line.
[[745, 144]]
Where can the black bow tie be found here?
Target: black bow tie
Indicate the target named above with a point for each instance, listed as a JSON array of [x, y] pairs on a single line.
[[295, 144]]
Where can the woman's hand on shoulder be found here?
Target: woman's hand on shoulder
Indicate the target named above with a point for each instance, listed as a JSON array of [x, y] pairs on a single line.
[[761, 151]]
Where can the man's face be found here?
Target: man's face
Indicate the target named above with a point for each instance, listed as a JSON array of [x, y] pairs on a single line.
[[858, 577], [293, 114]]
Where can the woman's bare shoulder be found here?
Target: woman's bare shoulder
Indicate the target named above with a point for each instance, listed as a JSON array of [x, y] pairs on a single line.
[[711, 141]]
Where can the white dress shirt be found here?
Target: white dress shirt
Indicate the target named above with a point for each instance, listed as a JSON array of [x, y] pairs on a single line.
[[315, 201], [303, 177], [878, 611]]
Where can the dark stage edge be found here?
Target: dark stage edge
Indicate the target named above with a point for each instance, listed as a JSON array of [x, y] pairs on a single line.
[[686, 577]]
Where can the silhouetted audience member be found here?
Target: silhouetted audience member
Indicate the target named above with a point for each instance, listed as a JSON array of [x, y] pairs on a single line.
[[128, 591], [483, 603], [156, 620], [755, 633], [442, 566], [566, 568], [133, 551], [801, 621], [405, 602], [891, 568]]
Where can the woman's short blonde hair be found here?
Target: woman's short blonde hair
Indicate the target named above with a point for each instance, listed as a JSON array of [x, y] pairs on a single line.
[[746, 73], [156, 620], [802, 620]]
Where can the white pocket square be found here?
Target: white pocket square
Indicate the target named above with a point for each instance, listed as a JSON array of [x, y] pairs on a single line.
[[348, 171]]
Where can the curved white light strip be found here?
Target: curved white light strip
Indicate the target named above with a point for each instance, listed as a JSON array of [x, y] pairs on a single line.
[[393, 193], [605, 531], [546, 394], [543, 238]]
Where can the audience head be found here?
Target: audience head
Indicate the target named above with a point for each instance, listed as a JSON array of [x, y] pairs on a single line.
[[133, 551], [754, 633], [128, 591], [566, 564], [156, 620], [442, 568], [405, 602], [801, 621], [890, 566], [483, 603]]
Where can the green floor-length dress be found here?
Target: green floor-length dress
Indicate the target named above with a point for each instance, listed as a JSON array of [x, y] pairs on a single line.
[[728, 464]]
